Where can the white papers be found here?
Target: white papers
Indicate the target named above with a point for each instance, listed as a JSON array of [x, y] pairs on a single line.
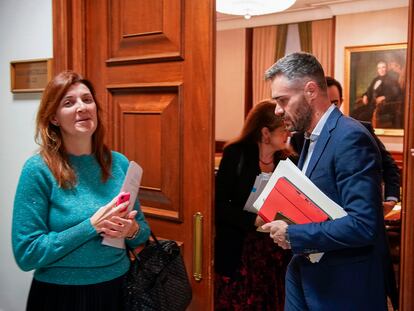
[[259, 184], [287, 169], [131, 184]]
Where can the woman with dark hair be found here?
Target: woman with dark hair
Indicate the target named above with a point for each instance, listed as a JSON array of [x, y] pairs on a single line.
[[61, 210], [249, 269]]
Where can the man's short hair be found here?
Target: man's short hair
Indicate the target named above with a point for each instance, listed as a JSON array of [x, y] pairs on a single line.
[[332, 82], [301, 67]]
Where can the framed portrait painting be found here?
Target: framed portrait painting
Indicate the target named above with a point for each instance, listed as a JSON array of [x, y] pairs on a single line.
[[375, 86]]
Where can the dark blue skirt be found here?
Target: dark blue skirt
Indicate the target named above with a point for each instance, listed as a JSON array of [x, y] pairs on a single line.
[[105, 296]]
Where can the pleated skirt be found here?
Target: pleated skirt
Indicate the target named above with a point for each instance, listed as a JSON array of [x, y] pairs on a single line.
[[105, 296]]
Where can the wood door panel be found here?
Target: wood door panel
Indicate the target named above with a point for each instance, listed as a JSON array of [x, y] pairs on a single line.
[[145, 73], [142, 31], [152, 65], [138, 17], [148, 131]]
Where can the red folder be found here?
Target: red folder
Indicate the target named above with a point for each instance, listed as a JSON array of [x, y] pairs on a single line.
[[287, 202]]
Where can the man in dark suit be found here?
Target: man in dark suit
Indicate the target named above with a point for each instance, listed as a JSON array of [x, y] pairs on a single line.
[[390, 177], [343, 161]]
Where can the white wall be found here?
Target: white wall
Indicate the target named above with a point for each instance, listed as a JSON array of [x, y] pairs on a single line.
[[380, 27], [230, 75], [26, 33], [292, 39]]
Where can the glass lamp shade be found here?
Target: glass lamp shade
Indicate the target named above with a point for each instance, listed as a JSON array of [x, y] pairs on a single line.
[[250, 8]]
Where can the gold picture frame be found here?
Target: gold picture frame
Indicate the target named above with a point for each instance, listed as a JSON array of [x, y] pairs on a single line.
[[374, 86], [28, 76]]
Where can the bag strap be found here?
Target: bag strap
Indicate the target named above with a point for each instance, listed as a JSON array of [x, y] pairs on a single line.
[[155, 238], [131, 250]]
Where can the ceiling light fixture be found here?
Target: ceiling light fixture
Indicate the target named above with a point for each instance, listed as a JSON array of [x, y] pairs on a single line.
[[249, 8]]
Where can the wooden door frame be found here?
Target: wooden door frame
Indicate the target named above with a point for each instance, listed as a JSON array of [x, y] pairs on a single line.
[[68, 35], [407, 230]]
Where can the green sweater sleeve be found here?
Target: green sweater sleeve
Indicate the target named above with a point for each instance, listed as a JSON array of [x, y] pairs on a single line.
[[34, 246]]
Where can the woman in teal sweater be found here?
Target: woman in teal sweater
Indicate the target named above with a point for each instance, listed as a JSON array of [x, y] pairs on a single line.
[[65, 204]]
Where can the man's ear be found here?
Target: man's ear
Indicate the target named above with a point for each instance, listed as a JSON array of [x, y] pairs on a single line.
[[311, 89]]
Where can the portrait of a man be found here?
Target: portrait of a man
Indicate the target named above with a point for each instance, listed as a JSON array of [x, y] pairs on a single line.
[[375, 85]]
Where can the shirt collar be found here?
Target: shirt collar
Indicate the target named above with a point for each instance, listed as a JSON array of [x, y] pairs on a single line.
[[318, 128]]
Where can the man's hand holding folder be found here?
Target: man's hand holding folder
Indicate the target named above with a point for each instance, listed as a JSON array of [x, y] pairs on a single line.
[[292, 197]]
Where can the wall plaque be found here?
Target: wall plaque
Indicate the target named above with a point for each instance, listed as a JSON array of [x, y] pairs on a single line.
[[30, 75]]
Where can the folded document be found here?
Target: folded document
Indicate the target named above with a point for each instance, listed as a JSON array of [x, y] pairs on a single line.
[[259, 185], [131, 184]]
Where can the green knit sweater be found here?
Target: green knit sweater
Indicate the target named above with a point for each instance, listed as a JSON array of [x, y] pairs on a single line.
[[52, 232]]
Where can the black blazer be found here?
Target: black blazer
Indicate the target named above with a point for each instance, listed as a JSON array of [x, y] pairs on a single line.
[[234, 180], [390, 170]]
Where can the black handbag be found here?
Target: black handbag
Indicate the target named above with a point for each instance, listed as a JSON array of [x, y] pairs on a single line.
[[157, 279]]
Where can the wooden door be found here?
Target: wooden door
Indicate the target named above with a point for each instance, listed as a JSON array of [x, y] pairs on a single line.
[[152, 63], [407, 232]]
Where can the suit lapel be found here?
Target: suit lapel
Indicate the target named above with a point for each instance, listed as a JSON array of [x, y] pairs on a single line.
[[323, 140]]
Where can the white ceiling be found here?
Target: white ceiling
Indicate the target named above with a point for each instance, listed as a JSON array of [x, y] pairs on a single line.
[[304, 10]]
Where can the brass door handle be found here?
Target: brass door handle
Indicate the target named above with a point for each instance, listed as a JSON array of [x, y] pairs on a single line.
[[198, 246]]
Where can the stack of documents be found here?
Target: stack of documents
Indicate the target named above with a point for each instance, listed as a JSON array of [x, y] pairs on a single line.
[[259, 185], [287, 202], [302, 183], [290, 195]]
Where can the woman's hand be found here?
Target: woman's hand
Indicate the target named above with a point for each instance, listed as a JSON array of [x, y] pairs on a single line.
[[121, 227], [107, 212]]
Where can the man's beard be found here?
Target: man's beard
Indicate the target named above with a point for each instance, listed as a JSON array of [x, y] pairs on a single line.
[[304, 114]]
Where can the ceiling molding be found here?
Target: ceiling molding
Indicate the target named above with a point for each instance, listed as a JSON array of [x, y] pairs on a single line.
[[275, 19], [314, 11], [366, 6]]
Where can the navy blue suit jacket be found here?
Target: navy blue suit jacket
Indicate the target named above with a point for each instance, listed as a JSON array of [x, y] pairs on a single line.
[[390, 170], [346, 166]]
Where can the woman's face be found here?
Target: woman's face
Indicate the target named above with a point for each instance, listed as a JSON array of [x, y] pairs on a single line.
[[76, 114], [279, 138]]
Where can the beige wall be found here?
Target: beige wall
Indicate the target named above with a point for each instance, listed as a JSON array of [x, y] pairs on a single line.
[[230, 74], [378, 27]]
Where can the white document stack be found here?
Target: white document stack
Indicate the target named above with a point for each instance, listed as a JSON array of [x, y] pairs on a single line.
[[259, 185]]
